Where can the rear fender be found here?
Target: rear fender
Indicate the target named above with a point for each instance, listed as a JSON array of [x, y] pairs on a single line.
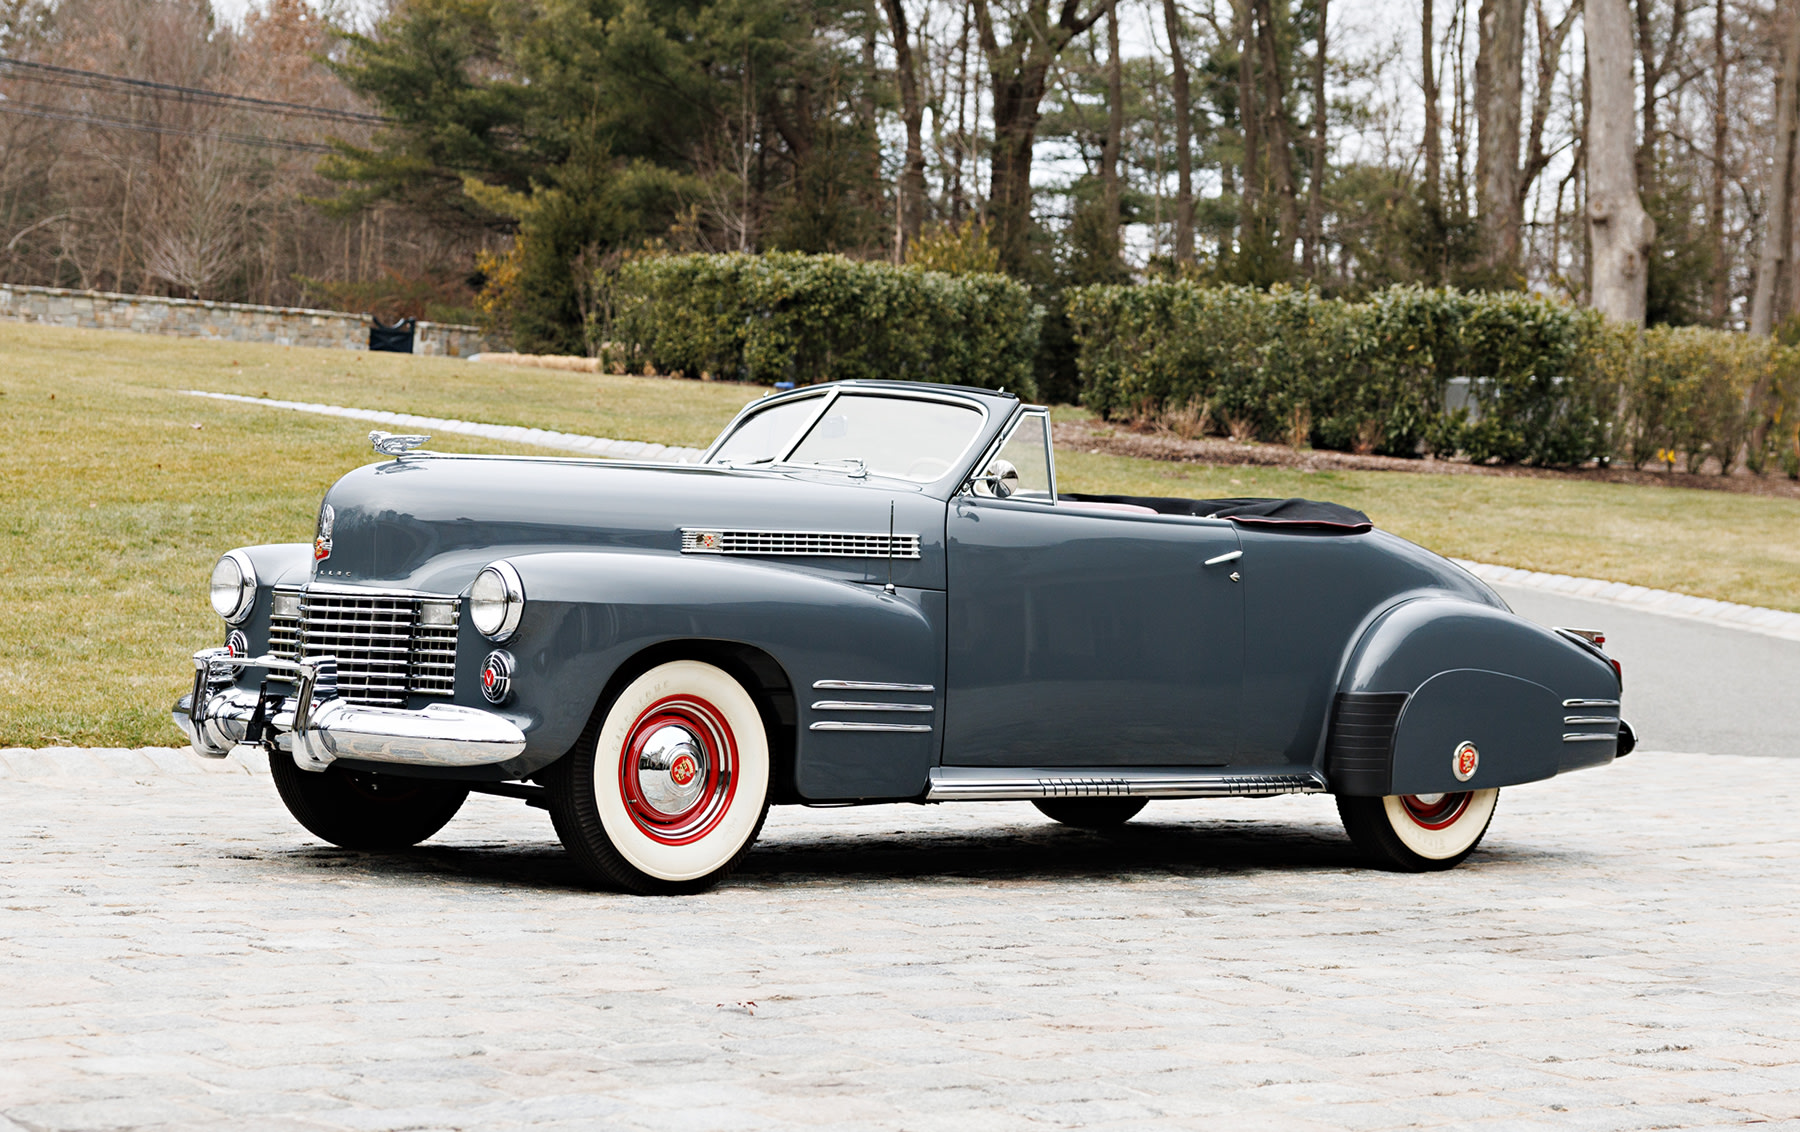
[[589, 613], [1433, 674]]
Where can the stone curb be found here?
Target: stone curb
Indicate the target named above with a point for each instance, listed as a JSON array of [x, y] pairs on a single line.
[[1750, 618], [120, 762], [513, 434]]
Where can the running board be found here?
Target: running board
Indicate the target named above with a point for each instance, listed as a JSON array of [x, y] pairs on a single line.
[[999, 784]]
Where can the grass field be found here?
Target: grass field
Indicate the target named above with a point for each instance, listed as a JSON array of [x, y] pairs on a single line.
[[119, 492]]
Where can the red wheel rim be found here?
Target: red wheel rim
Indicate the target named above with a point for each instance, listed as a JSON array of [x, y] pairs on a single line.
[[1434, 811], [712, 763]]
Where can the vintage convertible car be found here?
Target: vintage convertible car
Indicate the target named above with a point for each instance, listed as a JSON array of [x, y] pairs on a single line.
[[868, 592]]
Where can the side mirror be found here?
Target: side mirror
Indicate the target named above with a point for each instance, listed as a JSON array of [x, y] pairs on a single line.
[[999, 481]]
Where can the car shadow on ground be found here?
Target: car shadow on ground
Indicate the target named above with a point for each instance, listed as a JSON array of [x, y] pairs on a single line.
[[1021, 853]]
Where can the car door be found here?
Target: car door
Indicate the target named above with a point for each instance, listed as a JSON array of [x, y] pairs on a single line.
[[1087, 637]]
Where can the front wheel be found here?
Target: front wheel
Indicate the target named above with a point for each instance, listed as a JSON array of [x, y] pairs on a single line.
[[358, 810], [1418, 833], [674, 793]]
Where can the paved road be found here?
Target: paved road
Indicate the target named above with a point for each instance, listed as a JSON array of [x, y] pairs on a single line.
[[176, 954], [1689, 685]]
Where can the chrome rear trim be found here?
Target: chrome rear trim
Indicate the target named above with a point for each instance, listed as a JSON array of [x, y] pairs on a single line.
[[852, 705], [837, 725], [868, 686], [1590, 703], [1585, 720], [970, 784], [1589, 737]]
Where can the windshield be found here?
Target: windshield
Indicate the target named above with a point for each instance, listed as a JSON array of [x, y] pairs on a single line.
[[890, 436], [903, 437], [764, 436]]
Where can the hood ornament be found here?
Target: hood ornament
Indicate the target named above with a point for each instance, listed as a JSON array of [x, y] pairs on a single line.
[[392, 444]]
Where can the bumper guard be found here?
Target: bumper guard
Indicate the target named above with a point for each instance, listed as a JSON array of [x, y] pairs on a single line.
[[319, 727]]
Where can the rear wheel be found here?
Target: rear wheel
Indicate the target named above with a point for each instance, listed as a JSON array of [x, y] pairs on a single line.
[[1090, 813], [359, 810], [675, 791], [1418, 833]]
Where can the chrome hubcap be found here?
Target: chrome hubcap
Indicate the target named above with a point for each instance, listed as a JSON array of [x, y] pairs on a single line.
[[672, 769]]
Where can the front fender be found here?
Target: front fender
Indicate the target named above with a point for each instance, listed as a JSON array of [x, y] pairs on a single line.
[[587, 613], [1432, 674]]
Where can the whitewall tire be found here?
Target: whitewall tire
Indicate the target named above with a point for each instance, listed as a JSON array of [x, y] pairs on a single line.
[[1418, 832], [675, 790]]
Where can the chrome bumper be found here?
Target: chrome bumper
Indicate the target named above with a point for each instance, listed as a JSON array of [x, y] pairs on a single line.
[[319, 728]]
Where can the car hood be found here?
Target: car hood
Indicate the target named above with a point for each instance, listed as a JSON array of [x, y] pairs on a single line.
[[431, 523]]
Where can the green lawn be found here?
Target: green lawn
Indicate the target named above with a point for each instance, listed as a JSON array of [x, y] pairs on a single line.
[[115, 504]]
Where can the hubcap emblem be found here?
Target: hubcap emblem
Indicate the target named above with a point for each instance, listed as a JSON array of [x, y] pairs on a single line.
[[671, 769], [1465, 761]]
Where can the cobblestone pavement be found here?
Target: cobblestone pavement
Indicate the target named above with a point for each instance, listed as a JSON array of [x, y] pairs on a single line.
[[1622, 954]]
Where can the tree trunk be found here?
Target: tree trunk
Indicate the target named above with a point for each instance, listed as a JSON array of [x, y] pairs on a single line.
[[1115, 126], [1280, 140], [1715, 203], [1017, 70], [1499, 88], [1250, 193], [1184, 156], [1315, 184], [1434, 124], [911, 186], [1619, 229], [1778, 228]]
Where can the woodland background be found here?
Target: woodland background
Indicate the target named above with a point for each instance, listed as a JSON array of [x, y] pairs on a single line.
[[501, 159]]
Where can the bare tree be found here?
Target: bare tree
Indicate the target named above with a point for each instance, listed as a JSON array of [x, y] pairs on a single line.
[[1499, 83], [1018, 71], [910, 206], [1433, 142], [1184, 125], [1619, 230], [1315, 185], [1115, 126], [1715, 197]]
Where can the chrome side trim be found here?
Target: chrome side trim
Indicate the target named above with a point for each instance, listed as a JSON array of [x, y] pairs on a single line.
[[837, 725], [1589, 737], [969, 784], [804, 544], [868, 686], [1584, 720], [1590, 703], [854, 705]]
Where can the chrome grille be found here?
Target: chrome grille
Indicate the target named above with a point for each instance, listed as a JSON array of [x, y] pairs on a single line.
[[383, 650], [819, 544]]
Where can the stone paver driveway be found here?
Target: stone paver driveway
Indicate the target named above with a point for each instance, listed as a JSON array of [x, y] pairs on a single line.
[[1625, 953]]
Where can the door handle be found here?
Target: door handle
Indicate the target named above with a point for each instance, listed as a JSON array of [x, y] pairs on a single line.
[[1233, 556]]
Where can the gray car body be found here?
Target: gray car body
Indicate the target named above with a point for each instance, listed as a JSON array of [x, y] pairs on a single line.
[[1049, 635]]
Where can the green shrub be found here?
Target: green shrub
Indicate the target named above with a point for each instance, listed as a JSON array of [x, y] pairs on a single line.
[[1547, 383], [808, 318]]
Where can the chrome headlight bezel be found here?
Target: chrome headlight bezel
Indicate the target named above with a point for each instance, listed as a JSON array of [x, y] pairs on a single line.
[[497, 601], [232, 588]]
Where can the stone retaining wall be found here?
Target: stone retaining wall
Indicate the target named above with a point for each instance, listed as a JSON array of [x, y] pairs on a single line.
[[231, 322]]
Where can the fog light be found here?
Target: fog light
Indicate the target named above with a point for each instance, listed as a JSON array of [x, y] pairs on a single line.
[[496, 676]]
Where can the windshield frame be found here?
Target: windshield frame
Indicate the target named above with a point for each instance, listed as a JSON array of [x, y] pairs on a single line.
[[782, 462]]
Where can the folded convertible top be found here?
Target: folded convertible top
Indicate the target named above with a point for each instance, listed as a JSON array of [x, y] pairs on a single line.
[[1276, 513]]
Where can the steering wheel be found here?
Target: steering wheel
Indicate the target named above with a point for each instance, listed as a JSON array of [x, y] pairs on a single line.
[[927, 467]]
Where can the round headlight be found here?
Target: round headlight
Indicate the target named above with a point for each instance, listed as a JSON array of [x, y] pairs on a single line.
[[233, 587], [497, 601]]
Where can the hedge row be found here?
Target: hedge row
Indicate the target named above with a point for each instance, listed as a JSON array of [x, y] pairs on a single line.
[[808, 318], [1496, 376]]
